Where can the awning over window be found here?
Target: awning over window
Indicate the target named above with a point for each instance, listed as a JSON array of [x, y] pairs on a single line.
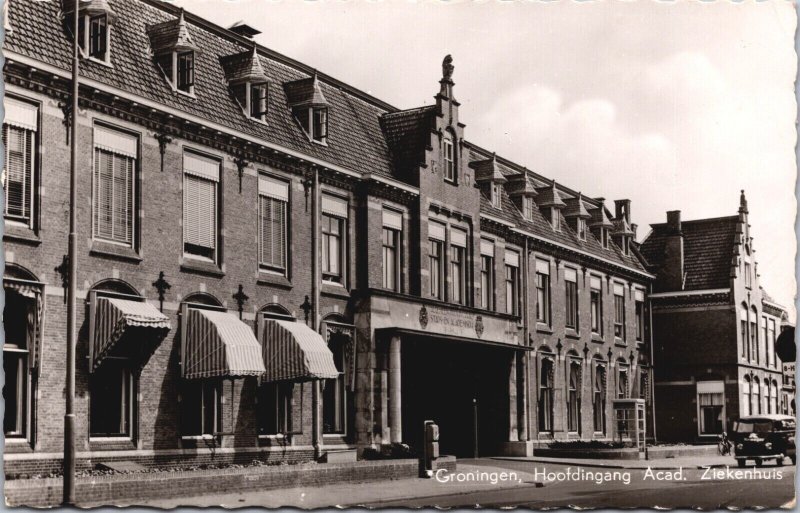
[[218, 344], [31, 291], [115, 317], [293, 351]]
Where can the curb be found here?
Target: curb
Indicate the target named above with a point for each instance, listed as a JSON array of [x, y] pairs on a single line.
[[602, 465]]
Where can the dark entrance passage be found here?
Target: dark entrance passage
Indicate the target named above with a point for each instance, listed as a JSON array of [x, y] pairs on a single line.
[[449, 383]]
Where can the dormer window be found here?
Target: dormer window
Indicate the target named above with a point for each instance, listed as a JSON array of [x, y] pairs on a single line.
[[582, 229], [604, 237], [527, 208], [175, 53], [309, 106], [257, 99], [184, 81], [555, 219], [449, 164], [94, 34], [496, 198]]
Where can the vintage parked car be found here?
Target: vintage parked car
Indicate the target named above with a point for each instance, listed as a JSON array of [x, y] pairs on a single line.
[[764, 437]]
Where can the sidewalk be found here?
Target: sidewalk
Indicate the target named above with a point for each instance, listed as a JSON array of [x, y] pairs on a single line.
[[655, 464], [353, 494]]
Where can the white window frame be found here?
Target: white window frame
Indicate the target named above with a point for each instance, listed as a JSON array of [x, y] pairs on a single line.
[[448, 157], [392, 222], [270, 189], [339, 212], [122, 150], [596, 286], [709, 387], [28, 123], [217, 188], [512, 281]]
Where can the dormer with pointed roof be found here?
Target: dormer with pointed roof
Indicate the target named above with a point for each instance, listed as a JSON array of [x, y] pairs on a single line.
[[550, 202], [622, 233], [309, 106], [248, 82], [174, 51], [576, 215], [94, 27], [490, 179], [600, 224], [522, 191]]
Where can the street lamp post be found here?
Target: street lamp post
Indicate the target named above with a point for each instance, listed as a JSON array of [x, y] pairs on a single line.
[[69, 414]]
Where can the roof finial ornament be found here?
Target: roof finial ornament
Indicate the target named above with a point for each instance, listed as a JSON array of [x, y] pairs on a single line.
[[742, 202], [447, 67]]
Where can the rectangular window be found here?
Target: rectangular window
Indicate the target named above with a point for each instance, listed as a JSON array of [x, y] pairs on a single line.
[[334, 217], [743, 332], [274, 409], [571, 290], [458, 265], [487, 274], [320, 124], [17, 316], [748, 279], [19, 136], [767, 345], [496, 197], [200, 181], [392, 237], [581, 228], [596, 304], [545, 403], [512, 282], [436, 233], [115, 156], [449, 166], [258, 101], [710, 400], [622, 383], [200, 408], [185, 78], [754, 340], [111, 394], [273, 202], [527, 207], [543, 291], [771, 338], [98, 28], [639, 298], [619, 311]]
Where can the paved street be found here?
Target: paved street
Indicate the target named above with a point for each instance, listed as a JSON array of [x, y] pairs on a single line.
[[629, 487]]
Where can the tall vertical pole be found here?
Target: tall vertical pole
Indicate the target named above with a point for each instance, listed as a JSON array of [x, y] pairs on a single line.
[[69, 414], [316, 429], [525, 427]]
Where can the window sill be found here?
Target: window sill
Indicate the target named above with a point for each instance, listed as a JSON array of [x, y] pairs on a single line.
[[596, 337], [198, 266], [543, 328], [110, 443], [17, 445], [265, 278], [619, 342], [107, 250], [335, 290], [571, 333], [23, 234]]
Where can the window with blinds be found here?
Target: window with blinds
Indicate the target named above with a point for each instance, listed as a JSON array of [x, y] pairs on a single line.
[[114, 185], [200, 179], [273, 199], [19, 131]]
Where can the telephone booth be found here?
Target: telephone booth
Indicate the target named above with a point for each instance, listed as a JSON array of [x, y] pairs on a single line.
[[630, 422]]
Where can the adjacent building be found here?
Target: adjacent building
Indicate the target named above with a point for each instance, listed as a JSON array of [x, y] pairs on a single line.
[[275, 265], [714, 327]]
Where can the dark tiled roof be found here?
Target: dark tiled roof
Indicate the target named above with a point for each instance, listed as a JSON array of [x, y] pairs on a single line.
[[171, 35], [576, 208], [408, 134], [550, 197], [305, 92], [488, 171], [242, 67], [358, 144], [708, 249]]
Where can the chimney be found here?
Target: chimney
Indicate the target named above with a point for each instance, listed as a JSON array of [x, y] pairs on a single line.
[[671, 273], [623, 210], [635, 229], [244, 30]]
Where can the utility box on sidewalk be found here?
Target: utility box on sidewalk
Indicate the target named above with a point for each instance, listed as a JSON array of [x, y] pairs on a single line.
[[430, 448]]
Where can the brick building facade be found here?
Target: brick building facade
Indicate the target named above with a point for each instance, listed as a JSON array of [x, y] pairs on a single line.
[[714, 327], [446, 282]]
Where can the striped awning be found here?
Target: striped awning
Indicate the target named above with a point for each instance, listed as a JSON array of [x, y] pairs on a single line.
[[293, 351], [218, 344], [113, 317]]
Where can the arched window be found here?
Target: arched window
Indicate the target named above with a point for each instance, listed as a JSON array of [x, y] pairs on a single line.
[[623, 382], [202, 298], [755, 396], [545, 403], [275, 399], [335, 396], [599, 396], [746, 406], [773, 398], [574, 381]]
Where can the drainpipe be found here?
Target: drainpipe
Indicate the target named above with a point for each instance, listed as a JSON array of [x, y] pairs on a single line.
[[316, 428], [526, 356], [652, 366]]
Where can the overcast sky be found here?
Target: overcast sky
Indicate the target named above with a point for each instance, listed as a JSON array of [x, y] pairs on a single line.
[[675, 106]]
